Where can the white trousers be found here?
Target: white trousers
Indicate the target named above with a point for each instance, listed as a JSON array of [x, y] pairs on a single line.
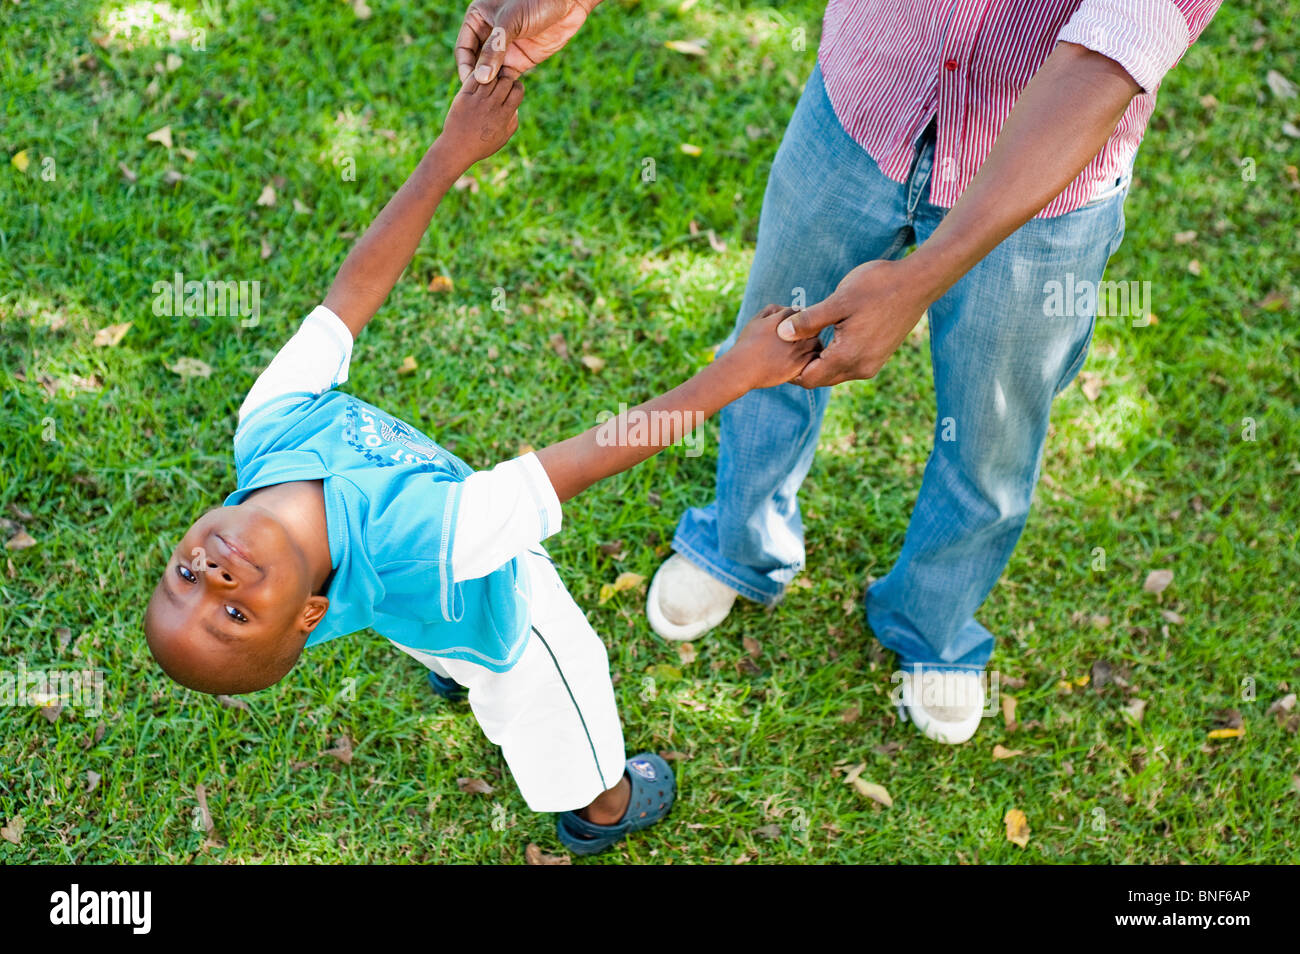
[[553, 713]]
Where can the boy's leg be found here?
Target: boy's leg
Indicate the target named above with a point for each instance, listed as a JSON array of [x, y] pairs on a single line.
[[827, 209], [1001, 353], [553, 713]]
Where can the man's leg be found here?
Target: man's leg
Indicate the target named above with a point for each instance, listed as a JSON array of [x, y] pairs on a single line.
[[999, 360], [827, 209]]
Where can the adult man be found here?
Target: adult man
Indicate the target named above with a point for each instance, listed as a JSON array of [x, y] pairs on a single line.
[[996, 135]]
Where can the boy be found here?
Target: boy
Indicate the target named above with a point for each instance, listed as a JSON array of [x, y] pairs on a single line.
[[347, 518]]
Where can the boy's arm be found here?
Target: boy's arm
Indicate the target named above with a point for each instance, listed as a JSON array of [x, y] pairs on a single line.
[[759, 359], [481, 119]]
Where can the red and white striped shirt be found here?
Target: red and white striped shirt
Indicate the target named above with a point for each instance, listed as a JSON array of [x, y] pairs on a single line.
[[892, 65]]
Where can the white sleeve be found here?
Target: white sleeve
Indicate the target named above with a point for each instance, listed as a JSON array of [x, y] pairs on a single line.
[[314, 360], [503, 512]]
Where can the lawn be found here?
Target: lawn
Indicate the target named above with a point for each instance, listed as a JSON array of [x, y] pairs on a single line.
[[1176, 451]]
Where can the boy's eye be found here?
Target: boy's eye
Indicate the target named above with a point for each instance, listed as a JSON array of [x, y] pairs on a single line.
[[235, 614], [186, 573]]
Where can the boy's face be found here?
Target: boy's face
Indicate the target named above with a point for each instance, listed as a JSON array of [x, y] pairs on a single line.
[[234, 605]]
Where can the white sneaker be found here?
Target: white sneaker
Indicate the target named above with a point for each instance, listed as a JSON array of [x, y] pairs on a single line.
[[684, 602], [945, 706]]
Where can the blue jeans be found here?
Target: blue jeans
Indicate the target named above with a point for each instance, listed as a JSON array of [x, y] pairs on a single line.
[[999, 360]]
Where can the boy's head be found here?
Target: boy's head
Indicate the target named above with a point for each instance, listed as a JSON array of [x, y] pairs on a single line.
[[235, 604]]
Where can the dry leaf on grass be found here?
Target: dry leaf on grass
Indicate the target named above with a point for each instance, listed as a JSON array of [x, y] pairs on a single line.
[[267, 196], [441, 283], [12, 830], [1157, 581], [1135, 709], [473, 786], [205, 816], [752, 646], [162, 136], [1282, 87], [191, 368], [1285, 704], [408, 365], [625, 581], [686, 653], [342, 750], [593, 363], [1002, 752], [20, 541], [534, 855], [1090, 384], [110, 336], [690, 149], [1017, 827], [20, 161], [686, 47], [1009, 712], [877, 793]]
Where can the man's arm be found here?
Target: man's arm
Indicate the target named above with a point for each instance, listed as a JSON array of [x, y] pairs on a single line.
[[1060, 122], [481, 119], [759, 359]]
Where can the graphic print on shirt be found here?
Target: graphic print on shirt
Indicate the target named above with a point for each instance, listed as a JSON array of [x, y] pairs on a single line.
[[386, 441]]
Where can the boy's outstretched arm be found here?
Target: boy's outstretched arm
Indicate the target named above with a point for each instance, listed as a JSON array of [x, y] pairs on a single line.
[[759, 359], [481, 120]]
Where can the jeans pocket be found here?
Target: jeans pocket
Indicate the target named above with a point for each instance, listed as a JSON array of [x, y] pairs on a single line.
[[1120, 184]]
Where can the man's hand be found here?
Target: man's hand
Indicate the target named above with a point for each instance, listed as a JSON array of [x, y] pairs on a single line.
[[482, 118], [873, 309], [761, 358], [516, 34]]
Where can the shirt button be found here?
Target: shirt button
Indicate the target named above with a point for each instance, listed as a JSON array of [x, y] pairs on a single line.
[[950, 65]]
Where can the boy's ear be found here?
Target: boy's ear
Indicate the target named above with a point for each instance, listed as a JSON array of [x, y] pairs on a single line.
[[313, 612]]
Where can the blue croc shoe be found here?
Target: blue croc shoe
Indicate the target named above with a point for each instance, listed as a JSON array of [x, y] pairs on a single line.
[[449, 689], [653, 791]]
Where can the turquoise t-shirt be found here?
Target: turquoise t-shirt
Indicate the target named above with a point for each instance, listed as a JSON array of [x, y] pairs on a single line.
[[391, 495]]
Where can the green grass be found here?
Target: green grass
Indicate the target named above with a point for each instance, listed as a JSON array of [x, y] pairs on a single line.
[[108, 455]]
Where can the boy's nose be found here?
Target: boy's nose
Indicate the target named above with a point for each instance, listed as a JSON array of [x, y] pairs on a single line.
[[218, 574]]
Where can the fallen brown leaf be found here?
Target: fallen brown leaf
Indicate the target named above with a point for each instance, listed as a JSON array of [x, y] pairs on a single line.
[[877, 793], [110, 336], [534, 855], [20, 541], [342, 750], [12, 830], [1158, 580], [162, 136], [1017, 827]]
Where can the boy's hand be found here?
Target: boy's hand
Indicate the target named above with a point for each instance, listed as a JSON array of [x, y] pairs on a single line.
[[482, 118], [763, 358]]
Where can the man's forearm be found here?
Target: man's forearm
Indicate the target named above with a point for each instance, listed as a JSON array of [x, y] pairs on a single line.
[[380, 256], [575, 464], [1060, 122]]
